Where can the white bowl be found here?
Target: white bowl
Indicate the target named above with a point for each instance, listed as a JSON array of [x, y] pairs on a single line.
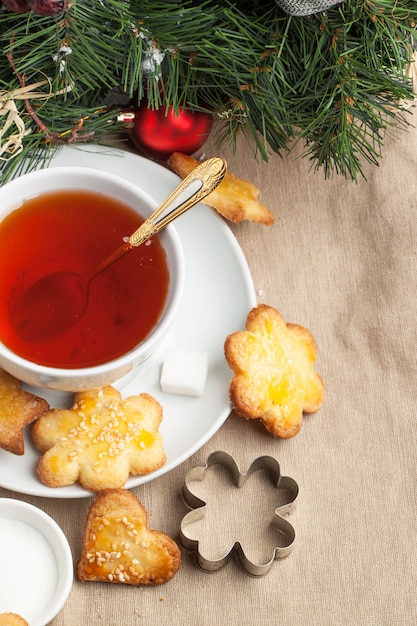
[[36, 579], [12, 195]]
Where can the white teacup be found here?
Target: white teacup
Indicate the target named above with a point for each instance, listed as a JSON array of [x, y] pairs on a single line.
[[12, 195]]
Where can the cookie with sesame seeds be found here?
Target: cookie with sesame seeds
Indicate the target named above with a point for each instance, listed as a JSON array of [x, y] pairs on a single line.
[[12, 619], [100, 440], [18, 408], [119, 547]]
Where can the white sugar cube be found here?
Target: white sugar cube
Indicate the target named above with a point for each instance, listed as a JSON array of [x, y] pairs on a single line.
[[184, 372]]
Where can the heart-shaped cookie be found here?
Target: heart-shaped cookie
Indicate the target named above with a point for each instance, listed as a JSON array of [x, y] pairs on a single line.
[[118, 546]]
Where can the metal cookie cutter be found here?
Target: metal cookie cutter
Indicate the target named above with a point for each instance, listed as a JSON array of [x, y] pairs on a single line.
[[286, 530]]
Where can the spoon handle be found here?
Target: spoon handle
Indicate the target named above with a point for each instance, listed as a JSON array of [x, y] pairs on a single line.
[[196, 186]]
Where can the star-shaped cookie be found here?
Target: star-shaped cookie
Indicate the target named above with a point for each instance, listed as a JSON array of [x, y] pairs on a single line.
[[235, 198], [118, 546], [100, 440], [18, 408], [273, 372]]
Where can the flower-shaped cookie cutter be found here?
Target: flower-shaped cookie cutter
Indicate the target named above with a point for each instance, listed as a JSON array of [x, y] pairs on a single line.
[[199, 508]]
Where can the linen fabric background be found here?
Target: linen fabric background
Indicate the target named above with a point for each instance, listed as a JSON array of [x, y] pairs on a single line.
[[341, 260]]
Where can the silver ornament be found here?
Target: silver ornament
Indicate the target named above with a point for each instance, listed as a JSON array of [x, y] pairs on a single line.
[[306, 7]]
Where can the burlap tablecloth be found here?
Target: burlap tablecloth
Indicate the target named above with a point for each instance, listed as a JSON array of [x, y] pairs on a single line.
[[341, 259]]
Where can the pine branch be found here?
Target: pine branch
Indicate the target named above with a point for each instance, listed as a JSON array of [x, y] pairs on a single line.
[[64, 47], [335, 81]]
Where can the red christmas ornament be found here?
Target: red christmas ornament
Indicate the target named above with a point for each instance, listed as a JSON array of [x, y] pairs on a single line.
[[17, 6], [41, 7], [157, 133]]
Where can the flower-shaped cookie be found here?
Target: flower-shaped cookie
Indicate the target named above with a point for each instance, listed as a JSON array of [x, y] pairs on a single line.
[[274, 378], [100, 440], [224, 517]]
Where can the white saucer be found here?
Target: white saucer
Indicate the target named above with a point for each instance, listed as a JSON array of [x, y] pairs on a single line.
[[218, 295]]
